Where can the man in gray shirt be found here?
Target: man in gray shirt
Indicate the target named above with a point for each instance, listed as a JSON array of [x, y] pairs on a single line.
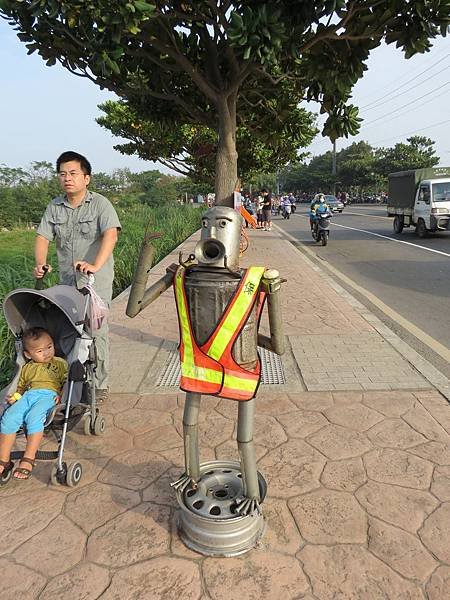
[[84, 226]]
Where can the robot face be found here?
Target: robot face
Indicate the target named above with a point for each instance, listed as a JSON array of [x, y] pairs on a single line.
[[220, 235]]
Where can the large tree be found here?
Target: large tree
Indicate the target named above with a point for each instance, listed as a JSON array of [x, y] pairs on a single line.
[[190, 149], [418, 153], [216, 62]]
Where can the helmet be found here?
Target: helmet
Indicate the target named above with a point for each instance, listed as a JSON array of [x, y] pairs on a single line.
[[321, 198]]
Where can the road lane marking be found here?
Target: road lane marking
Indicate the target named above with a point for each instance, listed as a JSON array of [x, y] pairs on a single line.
[[386, 237], [348, 212], [426, 339]]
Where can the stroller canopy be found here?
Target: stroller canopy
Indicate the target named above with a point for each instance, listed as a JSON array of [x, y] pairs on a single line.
[[60, 309]]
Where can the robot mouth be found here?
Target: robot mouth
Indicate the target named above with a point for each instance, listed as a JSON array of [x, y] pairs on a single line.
[[208, 251]]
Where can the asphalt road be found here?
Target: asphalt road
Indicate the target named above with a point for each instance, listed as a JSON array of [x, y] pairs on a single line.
[[408, 276]]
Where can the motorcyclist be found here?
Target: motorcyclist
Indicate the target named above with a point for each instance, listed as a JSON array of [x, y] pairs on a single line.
[[286, 207], [318, 205]]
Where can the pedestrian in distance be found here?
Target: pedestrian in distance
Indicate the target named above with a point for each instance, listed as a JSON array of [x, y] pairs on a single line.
[[84, 226], [267, 210]]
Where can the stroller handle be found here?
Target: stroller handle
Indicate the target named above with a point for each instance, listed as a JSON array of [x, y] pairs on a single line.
[[87, 272], [39, 283]]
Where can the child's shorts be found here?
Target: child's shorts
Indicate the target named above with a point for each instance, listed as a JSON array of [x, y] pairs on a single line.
[[30, 410]]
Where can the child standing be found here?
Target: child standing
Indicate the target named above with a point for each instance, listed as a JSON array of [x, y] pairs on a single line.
[[40, 383]]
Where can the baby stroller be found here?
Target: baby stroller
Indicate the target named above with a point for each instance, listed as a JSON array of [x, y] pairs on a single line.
[[65, 313]]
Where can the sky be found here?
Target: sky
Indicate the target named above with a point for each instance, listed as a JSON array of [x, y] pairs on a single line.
[[47, 110]]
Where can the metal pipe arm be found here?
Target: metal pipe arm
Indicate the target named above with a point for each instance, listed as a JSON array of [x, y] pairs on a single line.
[[139, 297], [271, 284]]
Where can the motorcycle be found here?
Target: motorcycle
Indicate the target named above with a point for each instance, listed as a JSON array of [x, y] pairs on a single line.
[[286, 211], [320, 230]]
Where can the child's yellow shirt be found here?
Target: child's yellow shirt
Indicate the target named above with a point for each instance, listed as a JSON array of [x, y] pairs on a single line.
[[47, 376]]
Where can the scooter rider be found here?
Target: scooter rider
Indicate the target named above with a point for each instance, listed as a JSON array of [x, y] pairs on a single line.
[[318, 205]]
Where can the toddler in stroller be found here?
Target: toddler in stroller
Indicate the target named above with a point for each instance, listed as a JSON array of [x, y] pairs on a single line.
[[63, 316], [40, 383]]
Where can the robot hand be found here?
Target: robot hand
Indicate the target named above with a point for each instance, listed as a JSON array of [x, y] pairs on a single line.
[[183, 482], [248, 506]]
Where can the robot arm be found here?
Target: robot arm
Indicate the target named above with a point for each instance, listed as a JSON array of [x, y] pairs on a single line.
[[139, 297], [271, 284]]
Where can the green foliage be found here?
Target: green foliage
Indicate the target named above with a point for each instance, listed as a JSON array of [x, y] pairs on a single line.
[[361, 166], [191, 149], [175, 223], [224, 65], [417, 154]]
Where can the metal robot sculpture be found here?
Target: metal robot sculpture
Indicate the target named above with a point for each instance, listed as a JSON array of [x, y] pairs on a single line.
[[219, 307]]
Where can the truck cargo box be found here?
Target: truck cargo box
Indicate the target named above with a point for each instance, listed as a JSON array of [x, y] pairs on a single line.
[[403, 185]]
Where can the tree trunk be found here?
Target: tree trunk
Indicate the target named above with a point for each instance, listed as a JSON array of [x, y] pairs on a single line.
[[226, 158]]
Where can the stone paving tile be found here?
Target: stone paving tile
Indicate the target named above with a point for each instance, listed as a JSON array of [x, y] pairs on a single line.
[[86, 581], [435, 533], [404, 507], [167, 578], [330, 517], [53, 550], [358, 481], [438, 588], [398, 468], [441, 483], [339, 442], [344, 475], [264, 575], [351, 572], [401, 550]]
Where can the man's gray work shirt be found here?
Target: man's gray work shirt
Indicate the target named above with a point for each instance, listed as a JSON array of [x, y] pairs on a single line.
[[78, 235]]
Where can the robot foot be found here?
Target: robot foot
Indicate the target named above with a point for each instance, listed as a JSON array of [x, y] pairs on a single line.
[[183, 482], [248, 506]]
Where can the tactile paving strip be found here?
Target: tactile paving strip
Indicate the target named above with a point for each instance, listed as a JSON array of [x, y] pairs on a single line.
[[272, 369]]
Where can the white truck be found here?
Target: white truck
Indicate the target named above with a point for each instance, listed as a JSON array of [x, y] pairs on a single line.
[[420, 198]]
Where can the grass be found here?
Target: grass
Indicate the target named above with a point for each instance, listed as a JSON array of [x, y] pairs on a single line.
[[175, 223]]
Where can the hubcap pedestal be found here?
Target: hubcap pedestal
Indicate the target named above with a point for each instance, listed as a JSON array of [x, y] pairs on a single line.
[[208, 522]]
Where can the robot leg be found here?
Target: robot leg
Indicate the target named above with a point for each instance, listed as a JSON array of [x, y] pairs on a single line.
[[190, 438], [250, 502]]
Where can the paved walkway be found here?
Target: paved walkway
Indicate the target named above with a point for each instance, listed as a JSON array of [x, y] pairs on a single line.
[[354, 446]]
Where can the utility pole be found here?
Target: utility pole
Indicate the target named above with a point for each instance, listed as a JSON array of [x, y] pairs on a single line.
[[333, 167]]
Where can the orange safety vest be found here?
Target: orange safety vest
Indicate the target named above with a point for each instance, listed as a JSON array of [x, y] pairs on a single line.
[[211, 368]]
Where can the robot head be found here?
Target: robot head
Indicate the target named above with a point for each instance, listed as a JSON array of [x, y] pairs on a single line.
[[220, 236]]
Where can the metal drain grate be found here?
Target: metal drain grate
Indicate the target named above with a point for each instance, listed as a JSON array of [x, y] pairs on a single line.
[[272, 369]]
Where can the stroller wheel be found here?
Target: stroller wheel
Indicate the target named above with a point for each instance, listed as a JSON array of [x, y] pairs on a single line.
[[58, 478], [74, 473], [99, 425], [87, 428]]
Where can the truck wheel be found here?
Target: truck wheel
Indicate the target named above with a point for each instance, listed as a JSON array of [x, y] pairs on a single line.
[[421, 230], [398, 224]]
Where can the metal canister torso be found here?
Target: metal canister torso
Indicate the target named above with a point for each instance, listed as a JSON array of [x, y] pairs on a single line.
[[208, 293]]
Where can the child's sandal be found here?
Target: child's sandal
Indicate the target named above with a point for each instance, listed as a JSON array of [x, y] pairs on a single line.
[[22, 471], [8, 466]]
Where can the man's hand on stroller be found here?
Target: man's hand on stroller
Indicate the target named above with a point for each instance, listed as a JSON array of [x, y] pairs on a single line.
[[85, 267], [40, 270]]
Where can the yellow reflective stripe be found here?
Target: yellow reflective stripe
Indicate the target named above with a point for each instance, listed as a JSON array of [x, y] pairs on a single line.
[[194, 372], [184, 319], [238, 383], [236, 314]]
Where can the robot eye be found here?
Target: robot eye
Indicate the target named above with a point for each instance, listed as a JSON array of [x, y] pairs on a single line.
[[205, 223], [222, 223]]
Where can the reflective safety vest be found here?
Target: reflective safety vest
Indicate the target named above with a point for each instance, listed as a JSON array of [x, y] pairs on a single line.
[[211, 368]]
